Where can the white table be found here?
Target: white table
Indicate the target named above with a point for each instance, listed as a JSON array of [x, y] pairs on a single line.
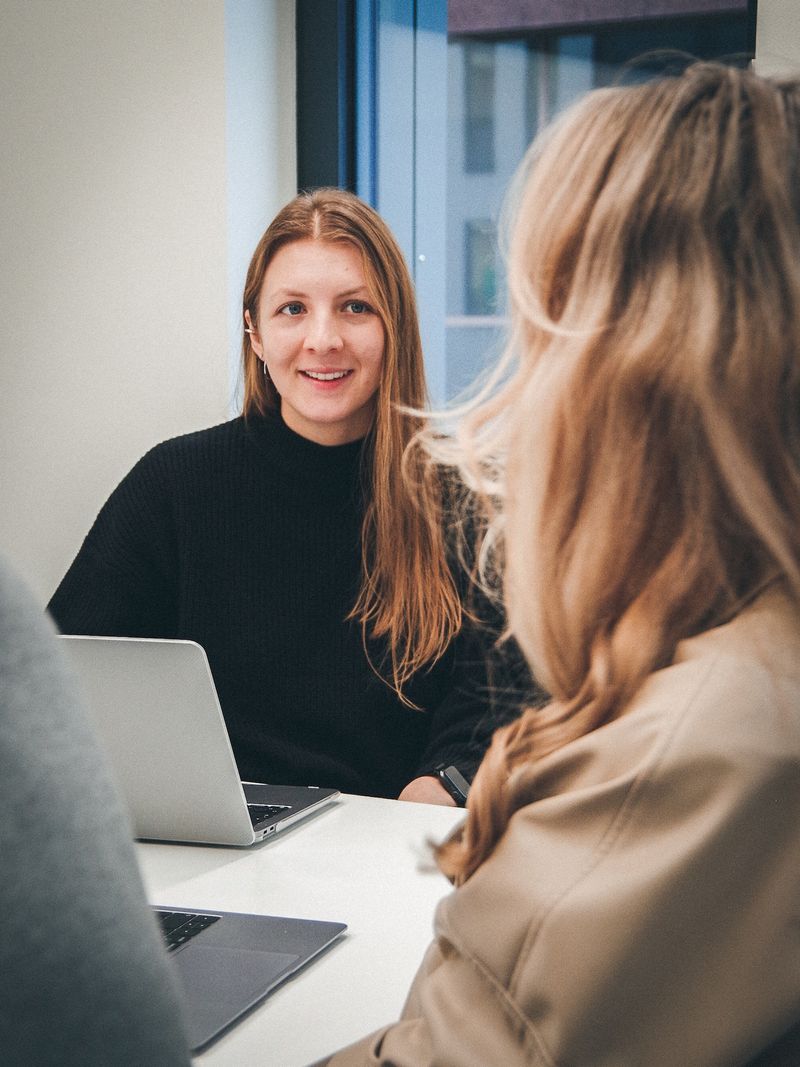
[[362, 861]]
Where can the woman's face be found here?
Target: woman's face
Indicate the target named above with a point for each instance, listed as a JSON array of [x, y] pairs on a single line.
[[321, 340]]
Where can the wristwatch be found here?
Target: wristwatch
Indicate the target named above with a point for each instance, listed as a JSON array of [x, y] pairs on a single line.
[[454, 782]]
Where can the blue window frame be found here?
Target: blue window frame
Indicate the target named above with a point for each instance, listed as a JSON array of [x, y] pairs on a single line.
[[401, 161]]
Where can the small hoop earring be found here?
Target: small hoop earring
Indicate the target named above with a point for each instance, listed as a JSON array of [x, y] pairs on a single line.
[[264, 367]]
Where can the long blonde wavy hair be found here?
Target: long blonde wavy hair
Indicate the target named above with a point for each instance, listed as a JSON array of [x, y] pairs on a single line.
[[649, 427], [408, 596]]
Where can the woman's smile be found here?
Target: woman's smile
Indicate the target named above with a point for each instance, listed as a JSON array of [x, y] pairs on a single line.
[[326, 376]]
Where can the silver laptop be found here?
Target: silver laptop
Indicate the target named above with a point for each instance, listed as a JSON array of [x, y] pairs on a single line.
[[155, 707], [226, 962]]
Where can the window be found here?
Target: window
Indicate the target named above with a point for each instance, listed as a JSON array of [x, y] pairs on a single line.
[[506, 81], [479, 108], [448, 97], [480, 263]]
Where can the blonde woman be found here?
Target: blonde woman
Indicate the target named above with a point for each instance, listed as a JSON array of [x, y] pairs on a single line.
[[628, 876], [287, 544]]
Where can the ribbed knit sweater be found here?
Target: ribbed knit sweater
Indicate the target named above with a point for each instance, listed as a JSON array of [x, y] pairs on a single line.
[[247, 539]]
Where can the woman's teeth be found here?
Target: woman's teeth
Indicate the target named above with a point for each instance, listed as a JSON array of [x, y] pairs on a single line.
[[328, 377]]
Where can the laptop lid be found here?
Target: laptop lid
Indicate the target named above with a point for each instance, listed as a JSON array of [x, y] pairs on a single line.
[[227, 962], [156, 711]]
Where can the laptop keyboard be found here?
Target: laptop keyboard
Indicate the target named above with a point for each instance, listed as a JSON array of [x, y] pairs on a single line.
[[178, 927], [260, 812]]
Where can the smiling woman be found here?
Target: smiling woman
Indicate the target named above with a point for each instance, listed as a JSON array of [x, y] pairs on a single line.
[[288, 543], [320, 340]]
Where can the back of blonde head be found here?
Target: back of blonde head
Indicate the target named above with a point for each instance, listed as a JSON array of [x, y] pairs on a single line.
[[652, 421]]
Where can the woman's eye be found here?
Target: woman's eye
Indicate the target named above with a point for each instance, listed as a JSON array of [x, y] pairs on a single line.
[[291, 309], [357, 307]]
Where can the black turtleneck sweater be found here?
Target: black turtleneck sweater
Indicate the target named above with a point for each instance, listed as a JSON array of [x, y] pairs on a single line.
[[247, 539]]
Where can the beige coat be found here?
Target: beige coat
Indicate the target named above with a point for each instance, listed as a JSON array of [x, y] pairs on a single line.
[[645, 910]]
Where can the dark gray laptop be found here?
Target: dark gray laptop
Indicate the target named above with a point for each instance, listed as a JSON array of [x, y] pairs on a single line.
[[227, 962], [155, 707]]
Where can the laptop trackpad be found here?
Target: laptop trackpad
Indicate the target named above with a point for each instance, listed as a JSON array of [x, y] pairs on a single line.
[[222, 983]]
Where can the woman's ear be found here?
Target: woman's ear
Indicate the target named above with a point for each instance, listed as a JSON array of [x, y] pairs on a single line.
[[255, 340]]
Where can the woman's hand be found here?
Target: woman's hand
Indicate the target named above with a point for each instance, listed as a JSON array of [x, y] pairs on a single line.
[[427, 790]]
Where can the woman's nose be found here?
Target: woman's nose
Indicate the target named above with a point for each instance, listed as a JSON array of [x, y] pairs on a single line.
[[323, 334]]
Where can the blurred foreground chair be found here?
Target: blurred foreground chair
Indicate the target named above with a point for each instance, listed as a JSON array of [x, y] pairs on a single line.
[[785, 1052], [84, 978]]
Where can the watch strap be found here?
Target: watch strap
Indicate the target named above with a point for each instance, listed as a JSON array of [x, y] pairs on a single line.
[[454, 782]]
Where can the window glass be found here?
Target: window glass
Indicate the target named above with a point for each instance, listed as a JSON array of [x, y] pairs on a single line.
[[502, 87], [479, 94]]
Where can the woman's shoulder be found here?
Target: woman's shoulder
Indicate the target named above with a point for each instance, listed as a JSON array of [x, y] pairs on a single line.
[[730, 698], [763, 639], [739, 683], [199, 442], [189, 452], [178, 464], [728, 693]]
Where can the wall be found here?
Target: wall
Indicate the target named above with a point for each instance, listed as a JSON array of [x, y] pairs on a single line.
[[778, 37], [125, 224]]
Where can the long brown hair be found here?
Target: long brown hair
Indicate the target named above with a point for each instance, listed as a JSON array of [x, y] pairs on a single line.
[[651, 425], [408, 596]]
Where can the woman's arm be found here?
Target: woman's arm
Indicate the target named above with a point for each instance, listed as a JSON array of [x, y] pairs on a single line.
[[427, 789], [489, 685]]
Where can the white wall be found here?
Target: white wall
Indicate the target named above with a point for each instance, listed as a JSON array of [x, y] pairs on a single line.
[[778, 37], [261, 137], [125, 226]]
